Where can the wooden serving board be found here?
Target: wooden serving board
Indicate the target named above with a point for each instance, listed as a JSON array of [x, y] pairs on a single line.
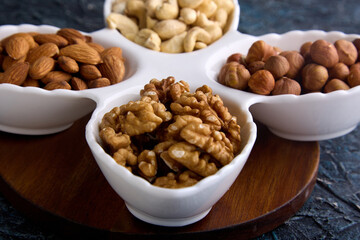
[[55, 180]]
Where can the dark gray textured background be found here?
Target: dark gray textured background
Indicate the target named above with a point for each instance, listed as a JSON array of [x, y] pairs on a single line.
[[333, 210]]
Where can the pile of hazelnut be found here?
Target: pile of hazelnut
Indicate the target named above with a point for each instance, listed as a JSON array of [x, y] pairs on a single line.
[[318, 66]]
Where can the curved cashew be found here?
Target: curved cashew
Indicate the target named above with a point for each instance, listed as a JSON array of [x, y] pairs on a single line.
[[137, 9], [169, 28], [150, 22], [202, 21], [214, 31], [228, 5], [174, 44], [188, 15], [118, 6], [190, 3], [195, 34], [124, 24], [200, 45], [221, 16], [169, 10], [151, 6], [208, 7], [148, 38]]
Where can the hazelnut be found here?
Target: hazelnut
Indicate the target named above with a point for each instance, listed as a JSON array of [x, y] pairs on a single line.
[[314, 77], [354, 75], [324, 53], [305, 51], [296, 62], [277, 65], [255, 66], [236, 57], [286, 86], [347, 51], [356, 43], [335, 84], [259, 51], [262, 82], [235, 75], [339, 71]]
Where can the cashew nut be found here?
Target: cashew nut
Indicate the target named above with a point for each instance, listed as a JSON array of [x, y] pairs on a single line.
[[148, 38], [208, 7], [169, 10], [137, 9], [202, 21], [169, 28], [215, 31], [228, 5], [188, 15], [151, 6], [195, 34], [190, 3], [124, 24], [200, 45], [174, 44], [150, 22], [221, 16], [118, 6]]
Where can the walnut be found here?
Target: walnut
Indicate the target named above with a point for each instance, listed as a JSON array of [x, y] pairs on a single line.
[[173, 130], [211, 141], [111, 119], [125, 157], [185, 179], [114, 140], [147, 163], [138, 117], [189, 156], [170, 162], [233, 134]]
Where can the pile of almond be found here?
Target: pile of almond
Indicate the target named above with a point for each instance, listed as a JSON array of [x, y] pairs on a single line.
[[318, 66], [66, 59]]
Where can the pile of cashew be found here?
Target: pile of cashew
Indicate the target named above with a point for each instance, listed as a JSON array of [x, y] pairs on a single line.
[[171, 26]]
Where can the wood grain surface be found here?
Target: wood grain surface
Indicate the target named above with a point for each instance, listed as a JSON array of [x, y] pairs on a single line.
[[55, 181]]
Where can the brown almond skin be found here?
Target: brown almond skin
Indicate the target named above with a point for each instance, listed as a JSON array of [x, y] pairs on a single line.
[[334, 85], [286, 86], [56, 76], [46, 49], [89, 72], [112, 51], [347, 51], [100, 82], [17, 47], [314, 77], [71, 34], [8, 61], [28, 37], [81, 53], [41, 67], [29, 82], [99, 48], [324, 53], [78, 83], [57, 85], [262, 82], [112, 68], [68, 64], [51, 38], [16, 73]]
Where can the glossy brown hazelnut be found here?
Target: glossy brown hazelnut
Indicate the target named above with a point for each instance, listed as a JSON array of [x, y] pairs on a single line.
[[339, 71], [334, 85], [296, 62], [255, 66], [324, 53], [347, 51], [314, 77], [277, 65], [305, 51], [286, 85], [354, 76], [262, 82], [235, 75], [259, 51]]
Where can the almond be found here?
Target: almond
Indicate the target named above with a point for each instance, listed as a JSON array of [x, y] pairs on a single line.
[[17, 47], [78, 83], [57, 85], [112, 68], [41, 67], [96, 46], [28, 37], [16, 73], [81, 53], [68, 64], [56, 76], [52, 38], [72, 35], [112, 51], [46, 49], [89, 72], [29, 82], [100, 82], [8, 61]]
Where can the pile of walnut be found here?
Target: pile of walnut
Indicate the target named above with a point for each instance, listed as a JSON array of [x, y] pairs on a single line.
[[171, 137], [66, 59], [171, 26], [319, 66]]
